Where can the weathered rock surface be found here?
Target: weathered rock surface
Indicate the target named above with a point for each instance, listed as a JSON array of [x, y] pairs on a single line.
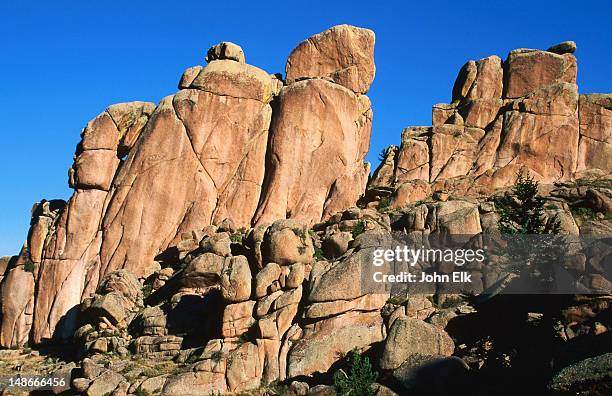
[[343, 54], [325, 340], [17, 307], [527, 70], [525, 113], [566, 47], [225, 50], [584, 375], [595, 146], [315, 160], [410, 336], [224, 245]]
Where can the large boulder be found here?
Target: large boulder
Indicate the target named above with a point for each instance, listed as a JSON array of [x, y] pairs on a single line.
[[588, 375], [118, 295], [413, 158], [480, 79], [409, 336], [204, 270], [244, 368], [327, 279], [195, 383], [240, 80], [70, 268], [455, 218], [433, 375], [325, 341], [527, 70], [216, 131], [565, 47], [225, 50], [344, 54], [236, 279], [288, 242], [454, 149], [265, 278]]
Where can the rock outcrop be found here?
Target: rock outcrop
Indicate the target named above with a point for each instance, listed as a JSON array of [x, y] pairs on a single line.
[[524, 112], [221, 240], [144, 175], [321, 130]]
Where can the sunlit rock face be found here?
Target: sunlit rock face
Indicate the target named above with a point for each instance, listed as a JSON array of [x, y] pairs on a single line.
[[522, 113]]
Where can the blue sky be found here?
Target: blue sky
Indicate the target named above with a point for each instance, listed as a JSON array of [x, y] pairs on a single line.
[[65, 62]]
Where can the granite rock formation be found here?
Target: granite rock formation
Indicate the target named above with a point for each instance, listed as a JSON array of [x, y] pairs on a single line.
[[524, 112], [145, 174], [217, 240]]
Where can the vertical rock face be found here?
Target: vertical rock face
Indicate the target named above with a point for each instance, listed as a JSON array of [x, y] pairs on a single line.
[[17, 307], [69, 270], [595, 146], [321, 131], [524, 112], [145, 174], [201, 159]]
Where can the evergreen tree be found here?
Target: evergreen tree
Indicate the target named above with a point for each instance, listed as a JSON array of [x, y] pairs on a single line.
[[522, 211], [359, 381], [528, 232]]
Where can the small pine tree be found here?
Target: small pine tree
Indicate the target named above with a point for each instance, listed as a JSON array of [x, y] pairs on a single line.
[[360, 380], [527, 230], [382, 156], [522, 212]]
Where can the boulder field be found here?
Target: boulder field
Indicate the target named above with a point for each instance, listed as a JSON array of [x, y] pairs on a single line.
[[219, 232]]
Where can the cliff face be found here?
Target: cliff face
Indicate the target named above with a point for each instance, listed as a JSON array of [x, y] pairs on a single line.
[[524, 112], [238, 192]]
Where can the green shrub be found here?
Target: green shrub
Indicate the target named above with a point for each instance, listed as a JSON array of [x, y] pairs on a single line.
[[29, 266], [236, 237], [141, 392], [522, 213], [318, 254], [396, 299], [382, 156], [584, 213], [358, 229], [299, 232], [384, 203], [360, 378], [147, 290], [192, 358]]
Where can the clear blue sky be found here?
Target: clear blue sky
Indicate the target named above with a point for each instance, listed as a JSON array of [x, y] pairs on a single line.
[[64, 62]]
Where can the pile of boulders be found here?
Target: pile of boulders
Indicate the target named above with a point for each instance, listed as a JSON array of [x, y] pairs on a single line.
[[108, 313]]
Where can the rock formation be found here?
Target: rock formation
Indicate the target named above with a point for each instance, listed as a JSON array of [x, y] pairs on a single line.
[[145, 174], [222, 234], [524, 112], [321, 131]]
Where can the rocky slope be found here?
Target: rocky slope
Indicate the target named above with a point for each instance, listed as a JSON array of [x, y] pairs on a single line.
[[218, 232]]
